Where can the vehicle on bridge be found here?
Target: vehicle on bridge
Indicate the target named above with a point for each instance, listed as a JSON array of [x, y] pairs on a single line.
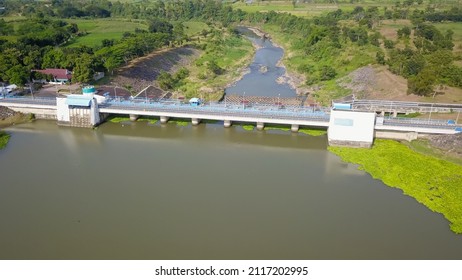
[[195, 101], [341, 106]]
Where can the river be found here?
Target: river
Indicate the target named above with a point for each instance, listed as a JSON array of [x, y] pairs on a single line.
[[262, 75], [165, 191]]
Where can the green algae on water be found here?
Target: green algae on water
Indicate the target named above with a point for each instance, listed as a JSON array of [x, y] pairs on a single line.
[[435, 183], [4, 137]]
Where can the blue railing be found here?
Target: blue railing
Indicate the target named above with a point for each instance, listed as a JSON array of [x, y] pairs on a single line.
[[221, 108], [29, 100]]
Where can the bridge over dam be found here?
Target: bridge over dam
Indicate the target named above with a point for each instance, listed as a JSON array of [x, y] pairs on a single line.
[[403, 107], [351, 126]]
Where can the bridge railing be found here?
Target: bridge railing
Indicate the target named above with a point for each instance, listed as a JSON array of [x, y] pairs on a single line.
[[29, 100], [395, 104], [220, 108], [416, 122]]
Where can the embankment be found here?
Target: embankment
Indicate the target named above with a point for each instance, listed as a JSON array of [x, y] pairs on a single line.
[[9, 117]]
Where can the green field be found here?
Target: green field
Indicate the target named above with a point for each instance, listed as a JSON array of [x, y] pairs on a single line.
[[317, 8], [194, 27], [301, 10], [99, 29], [305, 9], [457, 28]]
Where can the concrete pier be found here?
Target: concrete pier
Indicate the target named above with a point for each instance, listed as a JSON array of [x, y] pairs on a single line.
[[260, 125], [195, 121], [164, 119], [133, 117], [294, 127], [227, 123]]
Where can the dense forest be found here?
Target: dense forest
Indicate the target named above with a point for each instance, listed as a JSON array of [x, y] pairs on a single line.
[[422, 53]]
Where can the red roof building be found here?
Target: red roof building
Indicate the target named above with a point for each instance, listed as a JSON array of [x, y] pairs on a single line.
[[59, 75]]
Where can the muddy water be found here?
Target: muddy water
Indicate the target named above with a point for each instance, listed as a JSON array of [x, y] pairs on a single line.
[[139, 191]]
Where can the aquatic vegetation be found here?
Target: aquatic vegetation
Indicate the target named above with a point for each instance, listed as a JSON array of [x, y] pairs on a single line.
[[148, 119], [277, 127], [433, 182], [4, 137], [179, 122], [313, 131], [118, 119], [248, 127], [308, 131]]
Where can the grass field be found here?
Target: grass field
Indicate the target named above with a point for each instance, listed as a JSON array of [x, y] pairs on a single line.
[[305, 9], [301, 10], [389, 28], [194, 27], [456, 27], [99, 29]]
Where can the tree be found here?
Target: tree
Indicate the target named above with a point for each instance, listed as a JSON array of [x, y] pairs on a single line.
[[5, 28], [213, 66], [327, 73], [374, 39], [380, 57], [8, 58], [358, 35], [107, 42], [422, 84], [83, 70], [389, 44], [160, 26], [414, 65], [165, 80], [18, 75], [404, 32], [53, 58], [111, 63], [33, 60]]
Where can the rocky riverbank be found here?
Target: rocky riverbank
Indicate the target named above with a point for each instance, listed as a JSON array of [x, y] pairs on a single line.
[[449, 143], [6, 112], [9, 117]]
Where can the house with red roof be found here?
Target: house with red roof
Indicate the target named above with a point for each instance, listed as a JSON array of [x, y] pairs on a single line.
[[57, 75]]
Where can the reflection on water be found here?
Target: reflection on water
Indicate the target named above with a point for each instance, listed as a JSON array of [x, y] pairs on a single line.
[[139, 191]]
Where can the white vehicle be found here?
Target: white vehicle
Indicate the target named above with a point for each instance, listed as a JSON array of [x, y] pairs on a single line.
[[195, 101]]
